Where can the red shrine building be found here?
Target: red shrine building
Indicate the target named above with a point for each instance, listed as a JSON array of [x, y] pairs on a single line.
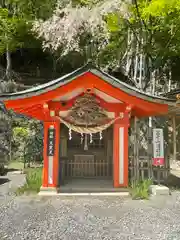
[[76, 145]]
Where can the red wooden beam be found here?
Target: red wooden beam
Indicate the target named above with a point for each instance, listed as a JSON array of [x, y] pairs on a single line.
[[27, 109], [39, 111], [38, 116], [36, 111], [33, 110]]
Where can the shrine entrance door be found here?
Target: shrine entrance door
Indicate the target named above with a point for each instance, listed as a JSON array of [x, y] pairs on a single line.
[[88, 157]]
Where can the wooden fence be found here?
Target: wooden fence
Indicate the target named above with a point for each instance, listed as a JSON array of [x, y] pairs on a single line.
[[141, 149]]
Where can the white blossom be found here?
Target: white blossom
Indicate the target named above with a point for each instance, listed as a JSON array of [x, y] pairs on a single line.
[[69, 25]]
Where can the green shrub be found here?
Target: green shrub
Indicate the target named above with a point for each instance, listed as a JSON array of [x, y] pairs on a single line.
[[33, 181], [3, 170], [140, 189]]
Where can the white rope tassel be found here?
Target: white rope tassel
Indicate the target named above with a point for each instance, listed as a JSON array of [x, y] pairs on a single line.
[[86, 142], [100, 135], [91, 140], [81, 138], [70, 133]]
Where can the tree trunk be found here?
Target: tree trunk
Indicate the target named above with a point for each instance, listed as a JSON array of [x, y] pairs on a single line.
[[153, 82], [10, 142], [136, 63], [8, 64], [130, 52], [170, 81]]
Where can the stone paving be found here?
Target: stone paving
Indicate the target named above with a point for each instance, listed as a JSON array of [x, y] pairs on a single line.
[[88, 218]]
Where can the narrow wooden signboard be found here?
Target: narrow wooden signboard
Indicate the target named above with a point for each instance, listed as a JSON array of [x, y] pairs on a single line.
[[158, 147], [51, 142]]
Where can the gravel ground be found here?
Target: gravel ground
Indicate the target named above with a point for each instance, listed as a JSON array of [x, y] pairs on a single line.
[[8, 184], [88, 218]]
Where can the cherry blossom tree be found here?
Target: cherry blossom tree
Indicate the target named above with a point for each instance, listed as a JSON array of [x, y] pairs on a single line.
[[75, 28]]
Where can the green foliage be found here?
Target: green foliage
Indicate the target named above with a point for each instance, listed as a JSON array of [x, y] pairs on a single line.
[[160, 8], [15, 21], [160, 19], [27, 141], [113, 22], [33, 181], [5, 133], [140, 189], [11, 28], [20, 132], [3, 170], [31, 9], [20, 137], [17, 165], [34, 143], [86, 2]]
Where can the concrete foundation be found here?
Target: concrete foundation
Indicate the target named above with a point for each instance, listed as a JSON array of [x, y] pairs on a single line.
[[158, 190], [47, 191]]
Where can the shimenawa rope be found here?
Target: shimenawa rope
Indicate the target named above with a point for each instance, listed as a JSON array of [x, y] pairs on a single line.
[[88, 130]]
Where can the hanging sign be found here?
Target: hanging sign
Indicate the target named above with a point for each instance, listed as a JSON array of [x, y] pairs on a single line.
[[158, 147], [51, 142]]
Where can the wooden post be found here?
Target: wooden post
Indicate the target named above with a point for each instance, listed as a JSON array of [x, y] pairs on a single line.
[[174, 138], [150, 148], [131, 150], [158, 175], [51, 154], [136, 150], [167, 163], [45, 157], [120, 154], [56, 154]]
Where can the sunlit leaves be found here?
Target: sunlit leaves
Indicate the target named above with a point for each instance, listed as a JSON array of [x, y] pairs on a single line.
[[9, 30], [160, 8]]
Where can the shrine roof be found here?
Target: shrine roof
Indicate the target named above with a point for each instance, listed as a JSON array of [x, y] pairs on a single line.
[[172, 94], [43, 88]]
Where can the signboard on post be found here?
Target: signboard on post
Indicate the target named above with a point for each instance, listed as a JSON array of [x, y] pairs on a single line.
[[51, 142], [158, 147]]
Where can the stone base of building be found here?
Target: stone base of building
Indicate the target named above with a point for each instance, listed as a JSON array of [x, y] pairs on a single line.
[[51, 191], [159, 190], [47, 191]]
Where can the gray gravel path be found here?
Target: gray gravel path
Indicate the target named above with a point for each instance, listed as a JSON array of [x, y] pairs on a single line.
[[8, 184], [89, 218]]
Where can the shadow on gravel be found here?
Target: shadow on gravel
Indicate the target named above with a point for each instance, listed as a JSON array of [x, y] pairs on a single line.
[[12, 170], [4, 180]]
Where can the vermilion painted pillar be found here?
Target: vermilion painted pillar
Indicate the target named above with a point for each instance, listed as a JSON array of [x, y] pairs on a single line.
[[120, 153], [45, 157], [51, 154]]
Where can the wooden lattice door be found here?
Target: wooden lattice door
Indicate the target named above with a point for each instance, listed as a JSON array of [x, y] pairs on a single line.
[[84, 166], [96, 162]]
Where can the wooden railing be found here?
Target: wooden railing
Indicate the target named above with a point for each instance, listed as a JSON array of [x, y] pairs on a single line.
[[86, 167]]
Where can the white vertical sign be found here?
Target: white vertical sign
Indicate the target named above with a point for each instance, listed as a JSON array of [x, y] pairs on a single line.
[[158, 147]]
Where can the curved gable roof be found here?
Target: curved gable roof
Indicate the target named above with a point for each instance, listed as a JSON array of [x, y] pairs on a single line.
[[38, 90]]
